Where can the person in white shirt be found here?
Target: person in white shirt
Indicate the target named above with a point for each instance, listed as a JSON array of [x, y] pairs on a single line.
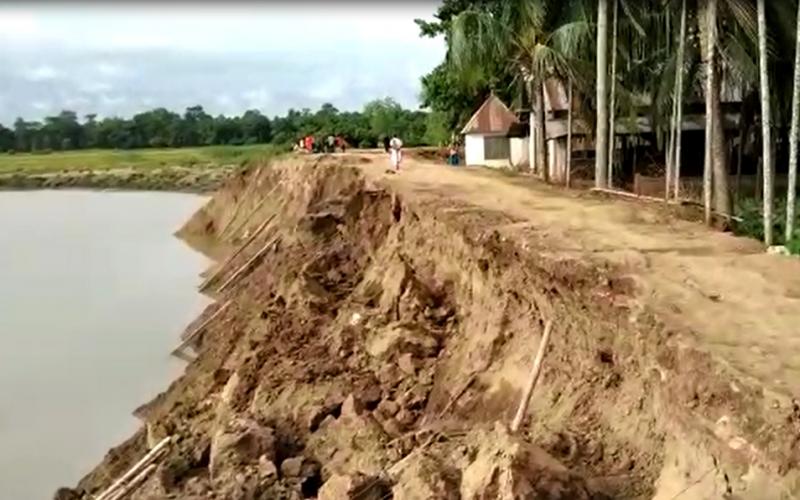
[[396, 152]]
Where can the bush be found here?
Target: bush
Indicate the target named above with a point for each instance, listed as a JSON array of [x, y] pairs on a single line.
[[752, 223], [793, 245]]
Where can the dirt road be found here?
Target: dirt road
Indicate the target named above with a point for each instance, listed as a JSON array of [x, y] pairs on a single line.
[[723, 292]]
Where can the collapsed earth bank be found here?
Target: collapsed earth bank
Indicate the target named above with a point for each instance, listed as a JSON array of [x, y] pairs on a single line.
[[376, 346]]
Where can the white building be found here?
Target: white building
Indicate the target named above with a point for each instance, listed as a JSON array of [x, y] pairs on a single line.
[[486, 137]]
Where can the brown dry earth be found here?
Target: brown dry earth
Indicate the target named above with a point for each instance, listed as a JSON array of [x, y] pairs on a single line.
[[379, 343]]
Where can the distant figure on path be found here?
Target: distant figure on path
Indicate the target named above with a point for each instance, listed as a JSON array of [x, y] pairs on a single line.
[[340, 143], [396, 153], [309, 143], [386, 141], [331, 144], [452, 158]]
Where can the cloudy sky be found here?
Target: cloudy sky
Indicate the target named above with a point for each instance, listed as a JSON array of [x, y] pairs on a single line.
[[123, 58]]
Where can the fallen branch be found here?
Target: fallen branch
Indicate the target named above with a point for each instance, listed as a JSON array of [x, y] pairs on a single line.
[[151, 457], [191, 336], [626, 194], [682, 201], [534, 377], [236, 253], [246, 266]]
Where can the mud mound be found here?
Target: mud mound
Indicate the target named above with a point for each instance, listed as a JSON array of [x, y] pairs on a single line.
[[372, 344]]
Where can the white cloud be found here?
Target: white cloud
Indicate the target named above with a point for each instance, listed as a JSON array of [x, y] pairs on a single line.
[[95, 87], [328, 89], [112, 101], [18, 26], [223, 100], [77, 102], [110, 69], [40, 105], [41, 73], [258, 98]]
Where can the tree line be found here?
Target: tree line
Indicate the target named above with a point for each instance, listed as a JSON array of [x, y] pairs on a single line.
[[160, 127], [650, 58]]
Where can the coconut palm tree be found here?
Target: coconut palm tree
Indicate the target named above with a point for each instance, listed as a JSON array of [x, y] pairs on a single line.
[[678, 126], [601, 141], [766, 122], [613, 98], [794, 136], [710, 63]]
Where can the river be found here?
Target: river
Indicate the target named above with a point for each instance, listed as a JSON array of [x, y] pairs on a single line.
[[94, 292]]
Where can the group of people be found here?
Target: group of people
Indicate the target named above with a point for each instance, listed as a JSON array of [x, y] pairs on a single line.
[[393, 145], [330, 145]]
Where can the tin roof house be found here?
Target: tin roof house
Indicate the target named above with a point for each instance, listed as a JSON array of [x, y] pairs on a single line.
[[487, 137]]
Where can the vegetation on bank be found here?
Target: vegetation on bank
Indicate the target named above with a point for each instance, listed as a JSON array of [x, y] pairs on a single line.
[[140, 159], [161, 128]]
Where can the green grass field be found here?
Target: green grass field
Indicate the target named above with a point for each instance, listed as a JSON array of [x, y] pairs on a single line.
[[140, 159]]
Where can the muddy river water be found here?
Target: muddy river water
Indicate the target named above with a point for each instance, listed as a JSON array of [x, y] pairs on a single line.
[[94, 291]]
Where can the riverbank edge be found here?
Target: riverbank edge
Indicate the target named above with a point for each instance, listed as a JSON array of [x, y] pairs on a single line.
[[177, 179]]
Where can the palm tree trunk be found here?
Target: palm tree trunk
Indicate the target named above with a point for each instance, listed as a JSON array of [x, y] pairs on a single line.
[[766, 121], [673, 126], [721, 179], [531, 130], [541, 157], [601, 141], [794, 136], [568, 168], [676, 159], [613, 99], [739, 156], [710, 48]]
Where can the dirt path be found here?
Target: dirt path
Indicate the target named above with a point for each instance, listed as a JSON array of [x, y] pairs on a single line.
[[734, 300]]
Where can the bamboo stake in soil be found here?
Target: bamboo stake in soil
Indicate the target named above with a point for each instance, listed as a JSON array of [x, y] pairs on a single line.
[[151, 456], [191, 336], [241, 201], [134, 483], [252, 212], [244, 245], [246, 266], [537, 367]]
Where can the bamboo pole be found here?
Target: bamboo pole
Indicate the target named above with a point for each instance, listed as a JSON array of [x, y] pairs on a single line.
[[191, 336], [134, 483], [151, 456], [241, 201], [534, 377], [222, 234], [236, 253], [246, 266]]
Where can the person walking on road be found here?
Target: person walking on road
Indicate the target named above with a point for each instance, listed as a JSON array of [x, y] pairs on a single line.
[[396, 152], [386, 141]]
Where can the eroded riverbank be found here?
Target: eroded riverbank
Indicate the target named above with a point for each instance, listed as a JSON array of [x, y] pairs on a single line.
[[379, 331]]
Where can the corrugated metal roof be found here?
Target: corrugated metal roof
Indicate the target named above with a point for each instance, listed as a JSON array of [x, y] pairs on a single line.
[[493, 117]]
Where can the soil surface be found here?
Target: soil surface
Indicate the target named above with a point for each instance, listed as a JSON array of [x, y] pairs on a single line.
[[184, 179], [374, 332]]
